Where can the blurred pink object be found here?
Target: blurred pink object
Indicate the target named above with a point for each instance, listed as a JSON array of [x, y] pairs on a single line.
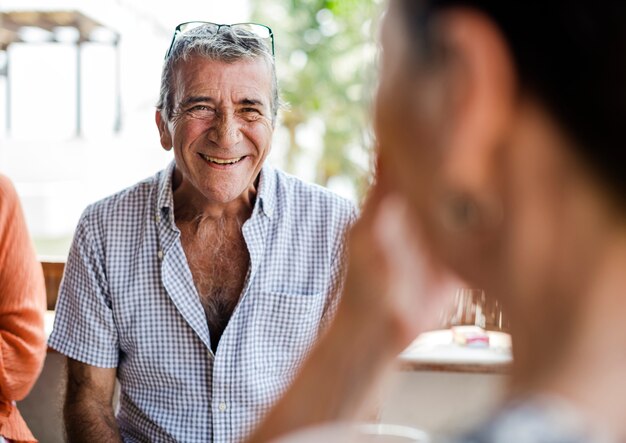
[[470, 336]]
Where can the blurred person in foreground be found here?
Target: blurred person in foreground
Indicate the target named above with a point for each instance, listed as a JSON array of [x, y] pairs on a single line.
[[200, 288], [502, 164], [22, 308]]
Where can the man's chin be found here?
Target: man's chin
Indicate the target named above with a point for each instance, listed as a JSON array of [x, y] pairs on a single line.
[[225, 196]]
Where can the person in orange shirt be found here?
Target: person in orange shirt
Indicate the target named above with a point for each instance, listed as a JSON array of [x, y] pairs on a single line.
[[22, 307]]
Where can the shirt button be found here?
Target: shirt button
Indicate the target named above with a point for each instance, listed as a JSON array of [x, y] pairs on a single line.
[[222, 407], [160, 254], [157, 218]]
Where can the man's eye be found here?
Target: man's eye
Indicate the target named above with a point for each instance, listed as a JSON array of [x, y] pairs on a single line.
[[201, 109]]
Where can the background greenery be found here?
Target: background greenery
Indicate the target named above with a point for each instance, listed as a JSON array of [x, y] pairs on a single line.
[[325, 55]]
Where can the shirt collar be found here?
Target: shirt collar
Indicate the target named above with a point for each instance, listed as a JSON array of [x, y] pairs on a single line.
[[267, 190], [266, 195], [165, 199]]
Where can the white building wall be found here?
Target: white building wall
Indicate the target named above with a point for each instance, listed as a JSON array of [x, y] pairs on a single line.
[[56, 173]]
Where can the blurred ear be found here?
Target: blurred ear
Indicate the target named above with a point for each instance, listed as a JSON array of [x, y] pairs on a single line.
[[164, 132], [480, 88]]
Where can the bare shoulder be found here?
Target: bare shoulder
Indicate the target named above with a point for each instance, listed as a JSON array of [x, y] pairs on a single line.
[[10, 212], [7, 191]]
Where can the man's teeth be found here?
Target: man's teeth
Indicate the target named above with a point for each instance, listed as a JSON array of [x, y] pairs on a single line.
[[220, 161]]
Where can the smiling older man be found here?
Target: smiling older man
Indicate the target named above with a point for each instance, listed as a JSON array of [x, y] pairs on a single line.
[[203, 287]]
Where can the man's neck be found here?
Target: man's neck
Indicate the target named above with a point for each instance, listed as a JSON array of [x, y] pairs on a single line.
[[190, 205]]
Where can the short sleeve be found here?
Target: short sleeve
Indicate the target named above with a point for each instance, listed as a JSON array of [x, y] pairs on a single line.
[[84, 327]]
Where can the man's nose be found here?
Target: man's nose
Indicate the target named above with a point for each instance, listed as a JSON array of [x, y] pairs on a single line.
[[226, 133]]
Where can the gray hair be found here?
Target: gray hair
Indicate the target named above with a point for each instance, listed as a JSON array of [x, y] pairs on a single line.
[[223, 45]]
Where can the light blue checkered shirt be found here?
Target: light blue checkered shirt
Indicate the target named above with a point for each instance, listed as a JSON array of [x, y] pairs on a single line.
[[128, 300]]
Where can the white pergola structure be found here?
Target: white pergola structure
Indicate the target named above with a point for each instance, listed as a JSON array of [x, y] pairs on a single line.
[[62, 26]]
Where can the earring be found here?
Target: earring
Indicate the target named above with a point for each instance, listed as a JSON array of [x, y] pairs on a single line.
[[460, 212]]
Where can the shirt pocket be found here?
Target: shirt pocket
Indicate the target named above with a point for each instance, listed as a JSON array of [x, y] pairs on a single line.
[[284, 326]]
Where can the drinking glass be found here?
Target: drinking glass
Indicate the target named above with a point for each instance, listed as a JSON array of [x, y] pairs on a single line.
[[472, 307]]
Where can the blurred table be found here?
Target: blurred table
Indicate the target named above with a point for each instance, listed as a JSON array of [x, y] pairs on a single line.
[[436, 351], [440, 386]]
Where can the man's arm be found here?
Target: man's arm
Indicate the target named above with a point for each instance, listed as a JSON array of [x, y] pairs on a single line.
[[88, 409]]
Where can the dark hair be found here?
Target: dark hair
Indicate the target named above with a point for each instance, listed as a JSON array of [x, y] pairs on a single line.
[[571, 55]]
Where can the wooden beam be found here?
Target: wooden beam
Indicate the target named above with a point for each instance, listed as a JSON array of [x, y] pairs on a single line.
[[52, 273]]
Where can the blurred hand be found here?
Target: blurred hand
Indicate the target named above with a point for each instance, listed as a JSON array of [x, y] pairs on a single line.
[[392, 293], [393, 286]]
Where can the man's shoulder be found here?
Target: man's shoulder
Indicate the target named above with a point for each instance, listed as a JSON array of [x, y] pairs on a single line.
[[125, 204], [298, 192]]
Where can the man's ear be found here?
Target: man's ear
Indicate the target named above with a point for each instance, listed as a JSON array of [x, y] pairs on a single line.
[[481, 87], [164, 132]]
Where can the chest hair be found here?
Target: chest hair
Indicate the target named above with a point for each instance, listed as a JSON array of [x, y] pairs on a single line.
[[218, 259]]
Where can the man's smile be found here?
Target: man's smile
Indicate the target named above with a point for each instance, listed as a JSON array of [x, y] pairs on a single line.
[[221, 161]]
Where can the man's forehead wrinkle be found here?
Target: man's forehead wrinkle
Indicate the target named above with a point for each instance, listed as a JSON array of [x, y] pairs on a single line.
[[225, 82]]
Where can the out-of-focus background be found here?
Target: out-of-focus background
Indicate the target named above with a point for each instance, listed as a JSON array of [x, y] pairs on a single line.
[[79, 80], [78, 83]]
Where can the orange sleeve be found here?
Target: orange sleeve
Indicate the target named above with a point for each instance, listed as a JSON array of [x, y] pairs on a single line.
[[22, 301]]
